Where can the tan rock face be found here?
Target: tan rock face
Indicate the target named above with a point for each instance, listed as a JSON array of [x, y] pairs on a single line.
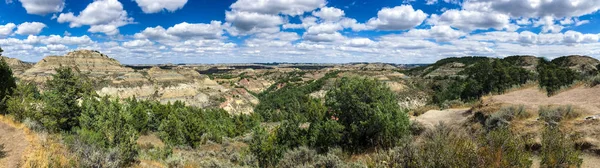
[[95, 64], [164, 85], [17, 66]]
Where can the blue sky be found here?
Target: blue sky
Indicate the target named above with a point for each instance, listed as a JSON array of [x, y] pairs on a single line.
[[322, 31]]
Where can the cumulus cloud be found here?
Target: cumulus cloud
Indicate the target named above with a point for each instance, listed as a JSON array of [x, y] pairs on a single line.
[[287, 7], [535, 8], [103, 16], [329, 14], [138, 43], [439, 33], [252, 21], [43, 7], [7, 29], [471, 20], [30, 28], [183, 30], [155, 6], [398, 18]]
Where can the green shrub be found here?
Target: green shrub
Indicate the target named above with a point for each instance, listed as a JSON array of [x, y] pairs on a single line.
[[305, 157], [554, 115], [61, 109], [447, 147], [106, 126], [7, 84], [505, 115], [24, 102], [553, 77], [500, 148], [369, 112], [594, 81], [325, 134], [264, 146], [558, 150]]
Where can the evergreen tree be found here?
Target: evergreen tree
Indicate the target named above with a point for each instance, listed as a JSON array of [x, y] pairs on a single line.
[[61, 110], [369, 112], [7, 83]]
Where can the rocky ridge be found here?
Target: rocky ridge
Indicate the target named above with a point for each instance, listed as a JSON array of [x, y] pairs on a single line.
[[165, 85]]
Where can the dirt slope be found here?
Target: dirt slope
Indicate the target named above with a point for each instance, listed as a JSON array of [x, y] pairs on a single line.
[[586, 98], [450, 116], [15, 145]]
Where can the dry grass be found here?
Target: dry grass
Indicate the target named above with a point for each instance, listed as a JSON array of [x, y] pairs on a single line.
[[44, 150]]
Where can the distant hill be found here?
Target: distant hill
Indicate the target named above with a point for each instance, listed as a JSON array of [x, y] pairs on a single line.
[[17, 66], [581, 64], [446, 67], [452, 66]]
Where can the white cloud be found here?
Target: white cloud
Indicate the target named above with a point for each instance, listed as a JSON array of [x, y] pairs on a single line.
[[398, 18], [536, 8], [155, 6], [471, 20], [329, 14], [7, 29], [251, 21], [548, 25], [138, 43], [30, 28], [431, 2], [104, 16], [324, 37], [207, 31], [287, 7], [43, 7], [439, 33], [57, 47]]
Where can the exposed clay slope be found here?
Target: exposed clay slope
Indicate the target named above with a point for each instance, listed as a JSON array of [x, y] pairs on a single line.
[[17, 66], [581, 64], [583, 97], [93, 63]]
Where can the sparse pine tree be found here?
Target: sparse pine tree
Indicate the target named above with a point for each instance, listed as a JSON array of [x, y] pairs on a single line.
[[7, 84], [61, 110], [369, 112]]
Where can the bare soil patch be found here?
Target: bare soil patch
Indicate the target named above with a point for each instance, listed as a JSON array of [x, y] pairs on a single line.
[[450, 116], [585, 98], [15, 145]]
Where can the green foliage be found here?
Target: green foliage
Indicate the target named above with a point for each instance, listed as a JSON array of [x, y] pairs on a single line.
[[24, 102], [424, 70], [483, 77], [595, 80], [500, 148], [292, 100], [505, 115], [553, 77], [7, 84], [554, 115], [325, 134], [369, 112], [558, 150], [105, 125], [264, 146], [61, 109], [445, 146], [448, 147], [305, 157]]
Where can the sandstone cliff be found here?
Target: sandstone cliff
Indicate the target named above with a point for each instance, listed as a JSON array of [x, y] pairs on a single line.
[[17, 66]]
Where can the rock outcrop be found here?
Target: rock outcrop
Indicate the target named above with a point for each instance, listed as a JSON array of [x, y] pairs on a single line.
[[17, 66], [92, 63], [165, 85]]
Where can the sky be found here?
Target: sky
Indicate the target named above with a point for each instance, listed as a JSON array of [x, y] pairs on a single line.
[[311, 31]]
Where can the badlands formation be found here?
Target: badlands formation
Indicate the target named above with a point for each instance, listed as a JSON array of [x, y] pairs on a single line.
[[109, 77]]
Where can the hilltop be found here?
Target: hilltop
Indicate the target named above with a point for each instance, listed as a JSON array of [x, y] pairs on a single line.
[[450, 67], [17, 66]]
